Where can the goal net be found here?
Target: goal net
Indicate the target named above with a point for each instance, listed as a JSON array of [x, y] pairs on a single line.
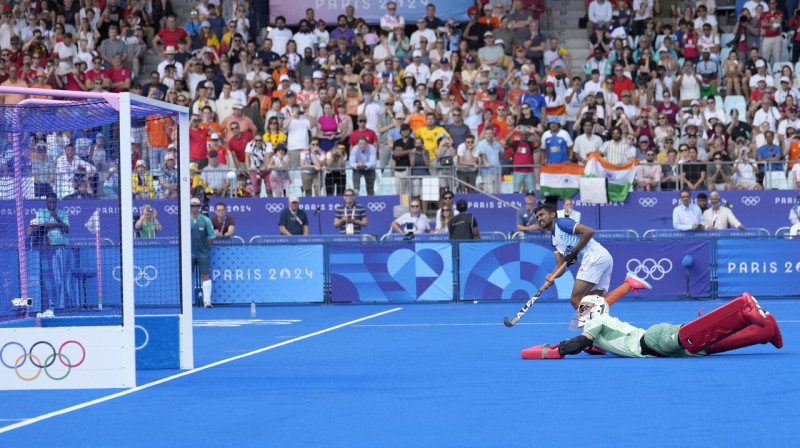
[[90, 239]]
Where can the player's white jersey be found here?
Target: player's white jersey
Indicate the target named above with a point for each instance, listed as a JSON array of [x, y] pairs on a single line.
[[565, 239]]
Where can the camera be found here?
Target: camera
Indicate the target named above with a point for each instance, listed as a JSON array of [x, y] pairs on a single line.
[[743, 19], [21, 302]]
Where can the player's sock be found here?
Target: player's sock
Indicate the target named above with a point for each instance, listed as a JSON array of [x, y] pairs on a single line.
[[613, 296], [207, 293]]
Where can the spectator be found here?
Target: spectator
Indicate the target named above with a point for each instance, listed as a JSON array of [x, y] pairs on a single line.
[[412, 222], [490, 151], [297, 128], [147, 226], [279, 170], [648, 173], [142, 182], [257, 156], [770, 152], [237, 144], [363, 160], [224, 225], [214, 176], [557, 142], [350, 217], [522, 154], [719, 173], [687, 216], [312, 161], [694, 173], [293, 220], [13, 81], [719, 218], [568, 211], [66, 167], [746, 170], [119, 76]]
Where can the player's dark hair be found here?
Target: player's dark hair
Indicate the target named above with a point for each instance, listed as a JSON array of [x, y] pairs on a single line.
[[546, 206]]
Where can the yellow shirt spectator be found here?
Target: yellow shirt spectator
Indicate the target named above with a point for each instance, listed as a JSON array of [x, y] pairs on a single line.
[[430, 135]]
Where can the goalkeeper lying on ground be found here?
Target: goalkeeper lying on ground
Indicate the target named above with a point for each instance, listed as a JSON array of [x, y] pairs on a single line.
[[739, 323]]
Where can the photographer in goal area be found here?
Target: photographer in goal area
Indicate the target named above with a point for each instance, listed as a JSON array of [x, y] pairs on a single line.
[[737, 324], [575, 243]]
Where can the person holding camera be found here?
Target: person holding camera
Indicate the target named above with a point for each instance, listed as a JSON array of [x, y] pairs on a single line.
[[746, 170], [412, 222], [147, 226]]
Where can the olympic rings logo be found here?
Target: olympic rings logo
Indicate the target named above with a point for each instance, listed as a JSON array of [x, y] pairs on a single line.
[[376, 206], [36, 361], [274, 208], [171, 209], [72, 210], [649, 268], [751, 201], [142, 276], [648, 202]]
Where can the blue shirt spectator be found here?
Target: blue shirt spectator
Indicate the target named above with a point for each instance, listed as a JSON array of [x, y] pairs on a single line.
[[687, 216], [768, 152], [535, 101], [492, 150], [365, 154]]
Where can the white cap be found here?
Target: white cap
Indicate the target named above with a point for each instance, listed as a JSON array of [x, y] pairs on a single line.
[[760, 63], [214, 136], [237, 105], [785, 79], [499, 42], [317, 75], [169, 50], [417, 54], [284, 78]]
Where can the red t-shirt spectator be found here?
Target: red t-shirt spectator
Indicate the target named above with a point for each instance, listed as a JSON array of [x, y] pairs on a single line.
[[198, 148], [171, 38], [368, 133], [118, 75], [621, 85], [523, 155], [237, 145], [76, 81], [92, 74]]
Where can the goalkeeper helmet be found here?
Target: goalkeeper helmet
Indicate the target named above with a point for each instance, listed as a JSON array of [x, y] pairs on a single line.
[[591, 307]]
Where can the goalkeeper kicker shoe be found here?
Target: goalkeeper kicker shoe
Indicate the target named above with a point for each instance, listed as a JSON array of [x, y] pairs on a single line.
[[636, 283]]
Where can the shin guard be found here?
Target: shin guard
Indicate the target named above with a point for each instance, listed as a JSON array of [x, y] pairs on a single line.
[[715, 326], [542, 352], [751, 335]]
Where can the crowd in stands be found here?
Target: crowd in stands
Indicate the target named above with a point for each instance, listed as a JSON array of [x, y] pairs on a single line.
[[700, 104]]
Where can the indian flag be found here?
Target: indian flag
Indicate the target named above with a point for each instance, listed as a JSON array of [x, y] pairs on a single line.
[[620, 177], [560, 179]]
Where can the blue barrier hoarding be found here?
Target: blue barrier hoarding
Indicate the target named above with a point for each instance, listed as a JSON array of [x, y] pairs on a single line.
[[510, 271], [762, 267], [490, 271], [268, 274], [391, 272], [660, 263]]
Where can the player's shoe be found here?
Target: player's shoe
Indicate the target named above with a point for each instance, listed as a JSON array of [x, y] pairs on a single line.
[[636, 283], [208, 305], [758, 306], [777, 338]]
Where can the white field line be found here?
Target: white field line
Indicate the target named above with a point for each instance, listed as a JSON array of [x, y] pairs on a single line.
[[76, 407]]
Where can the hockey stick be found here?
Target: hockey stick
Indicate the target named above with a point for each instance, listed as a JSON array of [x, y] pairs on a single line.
[[527, 305]]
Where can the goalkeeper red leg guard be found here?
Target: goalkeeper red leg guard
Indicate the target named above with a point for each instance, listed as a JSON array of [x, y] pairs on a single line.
[[751, 335], [735, 315], [542, 352]]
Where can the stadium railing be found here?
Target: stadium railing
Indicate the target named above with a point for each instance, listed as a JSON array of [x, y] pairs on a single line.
[[705, 234]]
